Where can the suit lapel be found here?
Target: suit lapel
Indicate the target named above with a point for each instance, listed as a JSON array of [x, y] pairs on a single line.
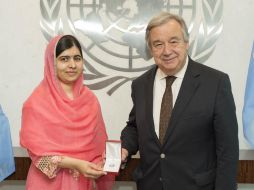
[[149, 102], [189, 86]]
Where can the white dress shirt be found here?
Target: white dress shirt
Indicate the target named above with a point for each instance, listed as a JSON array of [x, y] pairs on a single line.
[[159, 89]]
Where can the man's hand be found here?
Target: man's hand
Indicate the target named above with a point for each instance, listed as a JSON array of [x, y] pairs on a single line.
[[125, 155]]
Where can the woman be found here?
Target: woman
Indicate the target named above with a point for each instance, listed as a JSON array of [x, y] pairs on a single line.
[[62, 126]]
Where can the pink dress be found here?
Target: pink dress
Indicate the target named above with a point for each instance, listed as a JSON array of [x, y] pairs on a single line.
[[54, 125]]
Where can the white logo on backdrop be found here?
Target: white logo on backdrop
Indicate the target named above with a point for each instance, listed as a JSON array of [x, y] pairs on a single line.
[[112, 33]]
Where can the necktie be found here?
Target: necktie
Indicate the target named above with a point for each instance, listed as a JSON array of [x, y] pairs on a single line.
[[166, 108]]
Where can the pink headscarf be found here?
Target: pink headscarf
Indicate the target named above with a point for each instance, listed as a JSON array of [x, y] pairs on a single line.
[[52, 124]]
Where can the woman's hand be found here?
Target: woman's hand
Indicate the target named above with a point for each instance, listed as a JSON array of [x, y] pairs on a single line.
[[89, 169]]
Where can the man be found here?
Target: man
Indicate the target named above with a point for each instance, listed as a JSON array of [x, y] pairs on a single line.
[[198, 150]]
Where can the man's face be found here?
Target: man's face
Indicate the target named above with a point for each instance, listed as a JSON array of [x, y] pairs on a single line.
[[168, 47]]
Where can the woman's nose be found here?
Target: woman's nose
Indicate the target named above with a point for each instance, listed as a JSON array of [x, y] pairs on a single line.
[[72, 63]]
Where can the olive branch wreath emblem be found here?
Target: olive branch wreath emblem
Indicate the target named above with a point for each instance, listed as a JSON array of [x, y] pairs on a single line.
[[201, 47], [210, 27]]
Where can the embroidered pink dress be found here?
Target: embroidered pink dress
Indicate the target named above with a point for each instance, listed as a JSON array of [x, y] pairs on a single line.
[[53, 126]]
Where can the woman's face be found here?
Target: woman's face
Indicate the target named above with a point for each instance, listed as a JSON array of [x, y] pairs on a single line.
[[69, 66]]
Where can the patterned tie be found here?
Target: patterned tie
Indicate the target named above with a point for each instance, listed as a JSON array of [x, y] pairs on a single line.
[[166, 108]]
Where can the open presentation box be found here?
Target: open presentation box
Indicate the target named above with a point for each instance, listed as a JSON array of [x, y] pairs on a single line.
[[113, 156]]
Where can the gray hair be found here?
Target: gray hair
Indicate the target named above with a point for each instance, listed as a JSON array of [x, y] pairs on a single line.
[[163, 18]]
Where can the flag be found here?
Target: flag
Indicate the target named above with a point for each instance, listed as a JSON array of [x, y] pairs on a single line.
[[7, 165], [248, 108]]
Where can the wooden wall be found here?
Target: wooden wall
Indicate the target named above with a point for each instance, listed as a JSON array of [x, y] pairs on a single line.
[[245, 170]]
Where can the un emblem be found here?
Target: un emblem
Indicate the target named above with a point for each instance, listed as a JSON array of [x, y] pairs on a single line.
[[112, 33]]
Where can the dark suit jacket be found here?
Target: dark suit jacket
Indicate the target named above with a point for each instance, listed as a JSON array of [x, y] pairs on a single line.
[[200, 151]]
